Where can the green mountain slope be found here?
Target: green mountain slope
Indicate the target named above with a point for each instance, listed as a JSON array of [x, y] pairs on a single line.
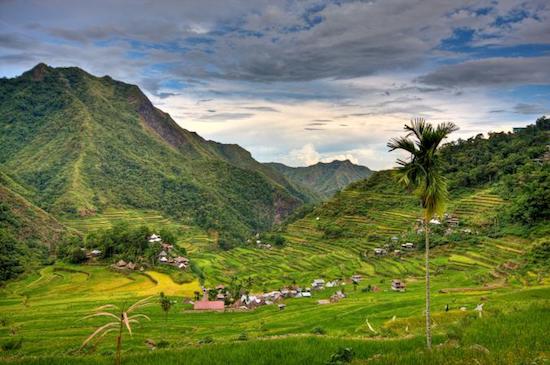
[[26, 231], [324, 178], [81, 143]]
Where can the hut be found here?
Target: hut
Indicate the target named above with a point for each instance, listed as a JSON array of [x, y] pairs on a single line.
[[397, 285], [209, 305]]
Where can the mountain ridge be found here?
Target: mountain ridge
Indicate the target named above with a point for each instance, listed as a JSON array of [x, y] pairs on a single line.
[[325, 178], [82, 143]]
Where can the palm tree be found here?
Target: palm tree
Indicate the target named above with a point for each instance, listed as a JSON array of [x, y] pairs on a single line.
[[122, 318], [165, 305], [422, 173]]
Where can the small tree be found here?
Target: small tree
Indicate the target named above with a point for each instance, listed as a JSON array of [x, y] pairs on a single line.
[[123, 318], [165, 305]]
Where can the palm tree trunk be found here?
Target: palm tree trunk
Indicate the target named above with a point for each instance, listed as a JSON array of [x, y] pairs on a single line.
[[119, 342], [428, 317]]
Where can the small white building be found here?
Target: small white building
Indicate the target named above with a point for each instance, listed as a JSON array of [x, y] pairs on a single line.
[[306, 294], [318, 284], [435, 221], [95, 252], [380, 251], [154, 238], [407, 246]]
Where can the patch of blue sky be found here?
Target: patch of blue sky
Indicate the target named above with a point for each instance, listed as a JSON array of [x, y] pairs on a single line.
[[173, 84], [199, 41], [135, 55], [514, 16], [533, 100]]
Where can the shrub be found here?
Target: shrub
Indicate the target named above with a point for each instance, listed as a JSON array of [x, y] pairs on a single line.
[[318, 331], [243, 337], [206, 340], [163, 344], [342, 356], [12, 344]]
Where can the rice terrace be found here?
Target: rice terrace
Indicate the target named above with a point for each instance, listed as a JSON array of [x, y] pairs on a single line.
[[127, 238]]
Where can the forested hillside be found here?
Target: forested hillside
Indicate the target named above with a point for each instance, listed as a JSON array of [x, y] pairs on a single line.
[[81, 144], [26, 231], [514, 167], [324, 178]]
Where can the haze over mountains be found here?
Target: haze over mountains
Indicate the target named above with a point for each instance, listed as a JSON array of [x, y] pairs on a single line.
[[77, 144], [324, 178]]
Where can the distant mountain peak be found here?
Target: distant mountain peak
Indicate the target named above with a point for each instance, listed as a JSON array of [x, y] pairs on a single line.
[[38, 72], [325, 178]]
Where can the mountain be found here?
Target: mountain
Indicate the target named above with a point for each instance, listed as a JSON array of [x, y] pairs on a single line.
[[504, 176], [81, 143], [26, 231], [324, 178]]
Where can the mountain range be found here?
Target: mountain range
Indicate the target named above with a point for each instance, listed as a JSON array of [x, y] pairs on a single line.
[[77, 144]]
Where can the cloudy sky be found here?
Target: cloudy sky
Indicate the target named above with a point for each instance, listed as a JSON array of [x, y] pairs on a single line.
[[302, 81]]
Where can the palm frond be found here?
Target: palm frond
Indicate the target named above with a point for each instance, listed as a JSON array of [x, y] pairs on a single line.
[[140, 304], [106, 306], [139, 316], [100, 314], [97, 331], [127, 322]]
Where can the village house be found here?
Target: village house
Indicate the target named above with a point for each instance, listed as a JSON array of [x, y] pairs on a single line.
[[209, 305], [95, 253], [380, 251], [397, 252], [394, 239], [407, 246], [336, 297], [154, 238], [453, 221], [356, 278], [397, 285], [318, 284], [435, 221]]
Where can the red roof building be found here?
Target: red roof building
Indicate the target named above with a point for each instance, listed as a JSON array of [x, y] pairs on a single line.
[[207, 305]]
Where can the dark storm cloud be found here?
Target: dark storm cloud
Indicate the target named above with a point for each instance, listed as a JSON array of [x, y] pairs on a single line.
[[523, 108], [493, 71]]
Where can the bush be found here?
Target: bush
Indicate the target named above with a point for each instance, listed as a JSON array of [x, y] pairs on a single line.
[[243, 337], [163, 344], [206, 340], [342, 356], [76, 256], [12, 344], [318, 331]]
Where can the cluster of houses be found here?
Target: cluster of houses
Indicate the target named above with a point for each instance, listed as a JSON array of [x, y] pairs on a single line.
[[251, 301], [383, 251], [166, 256], [123, 266]]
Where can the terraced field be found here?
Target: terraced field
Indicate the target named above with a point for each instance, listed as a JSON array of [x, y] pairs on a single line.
[[106, 219], [51, 302], [308, 255]]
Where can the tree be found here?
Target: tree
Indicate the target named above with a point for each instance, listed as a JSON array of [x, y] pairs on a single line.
[[123, 318], [165, 305], [421, 172]]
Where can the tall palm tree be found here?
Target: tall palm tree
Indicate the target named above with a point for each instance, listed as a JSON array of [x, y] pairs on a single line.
[[422, 173]]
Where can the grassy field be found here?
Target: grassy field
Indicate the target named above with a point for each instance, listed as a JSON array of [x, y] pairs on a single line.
[[44, 309]]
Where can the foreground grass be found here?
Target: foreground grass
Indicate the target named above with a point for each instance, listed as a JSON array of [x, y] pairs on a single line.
[[517, 337]]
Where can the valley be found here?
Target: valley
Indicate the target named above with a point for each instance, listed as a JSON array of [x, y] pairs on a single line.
[[81, 210]]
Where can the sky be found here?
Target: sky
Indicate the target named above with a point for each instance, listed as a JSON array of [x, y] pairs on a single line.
[[300, 82]]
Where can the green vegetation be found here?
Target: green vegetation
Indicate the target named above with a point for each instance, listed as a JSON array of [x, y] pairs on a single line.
[[422, 173], [95, 153], [325, 179], [79, 144]]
